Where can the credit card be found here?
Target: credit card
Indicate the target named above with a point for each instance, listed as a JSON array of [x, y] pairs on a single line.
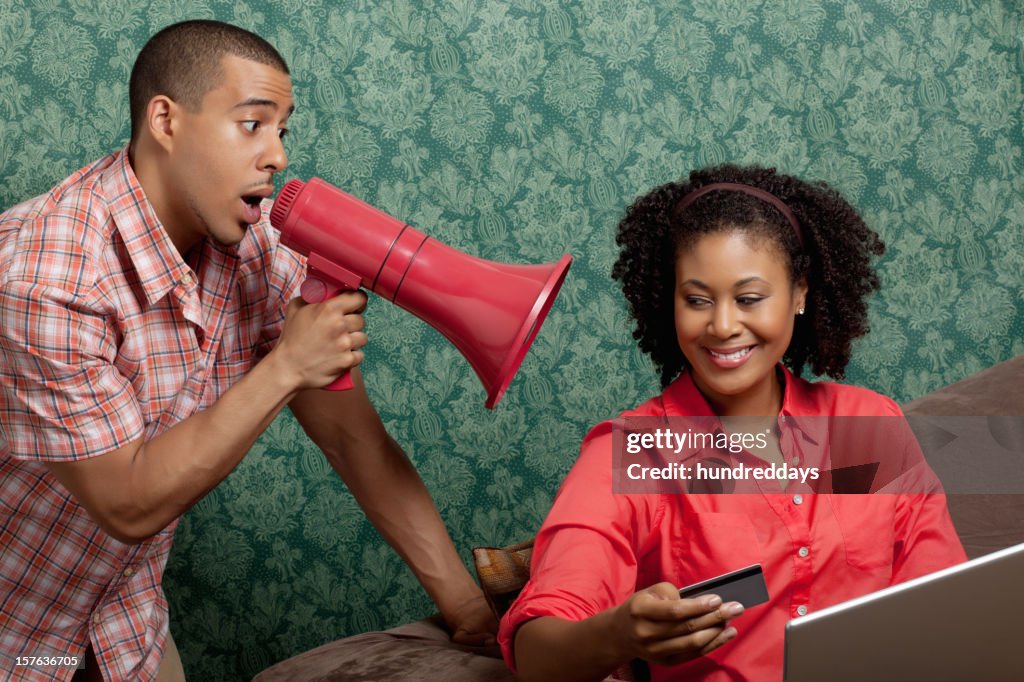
[[745, 585]]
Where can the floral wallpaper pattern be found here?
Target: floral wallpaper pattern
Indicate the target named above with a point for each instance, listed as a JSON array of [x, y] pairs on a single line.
[[516, 131]]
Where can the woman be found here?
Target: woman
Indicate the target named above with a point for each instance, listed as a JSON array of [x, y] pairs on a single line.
[[737, 278]]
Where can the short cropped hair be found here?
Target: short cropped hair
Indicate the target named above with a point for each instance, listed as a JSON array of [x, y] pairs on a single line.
[[183, 62], [832, 254]]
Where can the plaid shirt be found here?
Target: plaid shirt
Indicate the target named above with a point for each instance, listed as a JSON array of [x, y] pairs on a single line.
[[106, 335]]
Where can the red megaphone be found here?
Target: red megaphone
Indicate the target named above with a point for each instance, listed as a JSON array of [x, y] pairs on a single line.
[[490, 311]]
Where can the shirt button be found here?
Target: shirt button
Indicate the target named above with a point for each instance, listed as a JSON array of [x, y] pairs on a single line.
[[96, 618], [798, 499], [129, 572], [187, 280], [803, 552], [801, 610]]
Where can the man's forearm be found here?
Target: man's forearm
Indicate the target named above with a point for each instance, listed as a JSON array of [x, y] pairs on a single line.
[[397, 502], [136, 491], [388, 488]]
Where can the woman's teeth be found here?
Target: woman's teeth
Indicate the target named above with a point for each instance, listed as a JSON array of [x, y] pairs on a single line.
[[731, 356]]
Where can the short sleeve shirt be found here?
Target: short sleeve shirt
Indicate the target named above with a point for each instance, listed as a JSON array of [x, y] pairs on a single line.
[[107, 334]]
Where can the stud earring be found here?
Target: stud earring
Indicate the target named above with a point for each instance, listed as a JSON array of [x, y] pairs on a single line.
[[800, 312]]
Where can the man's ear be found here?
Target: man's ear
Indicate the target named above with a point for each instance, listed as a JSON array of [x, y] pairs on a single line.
[[162, 115]]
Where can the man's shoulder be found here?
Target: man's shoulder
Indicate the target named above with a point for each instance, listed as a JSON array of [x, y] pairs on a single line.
[[56, 237], [61, 199]]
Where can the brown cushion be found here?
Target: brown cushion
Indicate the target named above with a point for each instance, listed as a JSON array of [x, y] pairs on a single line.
[[409, 653], [503, 571], [998, 390], [984, 522]]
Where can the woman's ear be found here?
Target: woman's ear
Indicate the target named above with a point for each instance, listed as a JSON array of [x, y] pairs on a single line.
[[800, 296]]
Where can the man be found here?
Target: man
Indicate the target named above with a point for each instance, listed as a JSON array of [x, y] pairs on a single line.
[[146, 342]]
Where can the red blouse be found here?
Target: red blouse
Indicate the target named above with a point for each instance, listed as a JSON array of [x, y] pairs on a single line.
[[596, 548]]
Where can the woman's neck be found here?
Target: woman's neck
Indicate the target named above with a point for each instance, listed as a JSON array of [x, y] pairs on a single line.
[[764, 399]]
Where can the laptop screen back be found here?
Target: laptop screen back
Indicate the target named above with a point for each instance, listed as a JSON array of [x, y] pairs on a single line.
[[962, 623]]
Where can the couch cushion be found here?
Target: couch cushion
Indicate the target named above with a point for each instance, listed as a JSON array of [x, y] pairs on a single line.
[[998, 390], [411, 652], [985, 523]]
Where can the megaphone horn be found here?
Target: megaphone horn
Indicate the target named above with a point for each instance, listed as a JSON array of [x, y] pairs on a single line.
[[490, 311]]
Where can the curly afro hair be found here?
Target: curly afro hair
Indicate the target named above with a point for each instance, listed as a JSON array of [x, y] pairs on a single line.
[[834, 259]]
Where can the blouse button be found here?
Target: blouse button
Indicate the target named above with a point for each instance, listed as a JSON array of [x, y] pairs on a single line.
[[803, 552], [798, 499], [801, 610]]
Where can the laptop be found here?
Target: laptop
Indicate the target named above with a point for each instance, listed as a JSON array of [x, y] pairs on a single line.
[[965, 622]]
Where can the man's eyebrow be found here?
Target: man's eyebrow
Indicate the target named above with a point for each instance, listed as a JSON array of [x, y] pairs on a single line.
[[257, 102]]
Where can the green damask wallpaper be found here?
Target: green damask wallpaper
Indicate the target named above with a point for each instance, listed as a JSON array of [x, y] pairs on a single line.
[[517, 131]]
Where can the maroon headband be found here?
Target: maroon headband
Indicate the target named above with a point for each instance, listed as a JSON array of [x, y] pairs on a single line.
[[745, 189]]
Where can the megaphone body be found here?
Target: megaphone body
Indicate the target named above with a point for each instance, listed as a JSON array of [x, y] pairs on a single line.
[[490, 311]]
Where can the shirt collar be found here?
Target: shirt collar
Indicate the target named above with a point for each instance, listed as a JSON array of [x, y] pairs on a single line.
[[682, 397], [157, 262]]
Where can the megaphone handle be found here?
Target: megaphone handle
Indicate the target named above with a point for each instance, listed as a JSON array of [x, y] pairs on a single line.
[[317, 290], [342, 383]]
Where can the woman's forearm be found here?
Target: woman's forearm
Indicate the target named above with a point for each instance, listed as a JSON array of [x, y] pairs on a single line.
[[550, 648]]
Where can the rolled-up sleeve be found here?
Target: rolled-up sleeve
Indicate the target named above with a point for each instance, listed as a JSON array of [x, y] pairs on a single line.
[[585, 555]]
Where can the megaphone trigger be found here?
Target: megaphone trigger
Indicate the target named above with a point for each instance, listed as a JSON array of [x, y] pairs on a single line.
[[325, 279], [316, 290]]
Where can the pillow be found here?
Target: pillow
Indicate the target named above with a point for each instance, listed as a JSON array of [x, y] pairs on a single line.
[[503, 571]]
